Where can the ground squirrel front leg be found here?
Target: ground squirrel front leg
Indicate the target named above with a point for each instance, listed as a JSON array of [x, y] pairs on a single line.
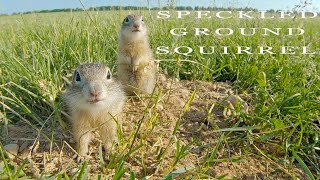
[[108, 133], [83, 135], [133, 65]]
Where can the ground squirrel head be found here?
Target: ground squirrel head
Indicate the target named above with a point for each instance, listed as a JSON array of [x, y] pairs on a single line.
[[93, 86], [133, 27]]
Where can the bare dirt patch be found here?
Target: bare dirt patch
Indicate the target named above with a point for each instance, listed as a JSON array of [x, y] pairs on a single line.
[[155, 146]]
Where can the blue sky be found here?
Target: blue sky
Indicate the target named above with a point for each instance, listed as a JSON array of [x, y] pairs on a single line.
[[10, 6]]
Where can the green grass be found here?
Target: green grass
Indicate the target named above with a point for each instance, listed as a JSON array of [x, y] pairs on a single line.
[[39, 51]]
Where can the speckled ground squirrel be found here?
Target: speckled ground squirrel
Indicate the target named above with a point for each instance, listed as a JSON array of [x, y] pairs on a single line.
[[95, 102], [137, 68]]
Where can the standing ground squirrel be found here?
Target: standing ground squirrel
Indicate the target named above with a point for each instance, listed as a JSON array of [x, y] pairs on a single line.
[[94, 100], [136, 65]]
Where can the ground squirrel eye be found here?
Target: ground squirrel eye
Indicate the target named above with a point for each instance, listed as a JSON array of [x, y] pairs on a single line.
[[77, 76], [109, 74], [142, 19], [126, 20]]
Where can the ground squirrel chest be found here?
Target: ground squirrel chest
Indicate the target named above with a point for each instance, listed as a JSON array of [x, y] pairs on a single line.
[[134, 49]]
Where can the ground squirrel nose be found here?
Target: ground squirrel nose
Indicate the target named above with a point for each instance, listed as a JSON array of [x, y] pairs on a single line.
[[95, 93], [136, 25]]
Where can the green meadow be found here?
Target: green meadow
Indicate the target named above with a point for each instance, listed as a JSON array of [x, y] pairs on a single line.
[[38, 53]]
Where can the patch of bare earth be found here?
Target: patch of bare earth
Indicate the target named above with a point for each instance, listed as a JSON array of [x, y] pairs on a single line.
[[154, 148]]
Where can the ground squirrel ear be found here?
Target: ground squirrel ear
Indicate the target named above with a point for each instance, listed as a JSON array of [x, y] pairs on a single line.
[[109, 75]]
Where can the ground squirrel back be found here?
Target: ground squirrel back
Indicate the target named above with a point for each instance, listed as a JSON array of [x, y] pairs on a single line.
[[136, 65], [95, 101]]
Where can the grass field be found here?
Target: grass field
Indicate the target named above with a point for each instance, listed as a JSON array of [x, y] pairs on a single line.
[[38, 53]]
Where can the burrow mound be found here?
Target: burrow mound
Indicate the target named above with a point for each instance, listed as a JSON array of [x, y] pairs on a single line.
[[166, 119]]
